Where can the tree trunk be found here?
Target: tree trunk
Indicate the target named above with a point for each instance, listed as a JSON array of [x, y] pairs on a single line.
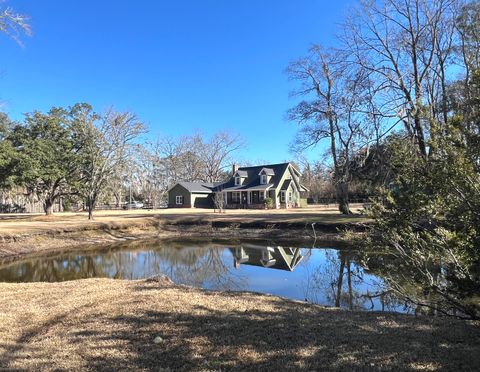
[[91, 206], [340, 281], [48, 207], [342, 197], [350, 289], [90, 212]]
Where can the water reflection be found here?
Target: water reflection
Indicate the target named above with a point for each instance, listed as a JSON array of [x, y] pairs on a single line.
[[339, 280], [321, 275], [269, 257]]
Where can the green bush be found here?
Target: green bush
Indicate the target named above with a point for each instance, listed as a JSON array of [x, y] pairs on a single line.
[[269, 203]]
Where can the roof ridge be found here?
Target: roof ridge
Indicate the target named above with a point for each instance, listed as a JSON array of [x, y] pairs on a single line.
[[264, 165]]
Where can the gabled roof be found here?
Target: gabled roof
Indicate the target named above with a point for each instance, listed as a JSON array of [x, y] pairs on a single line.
[[285, 185], [253, 177], [281, 258], [267, 171], [303, 188], [198, 187], [241, 173], [252, 182]]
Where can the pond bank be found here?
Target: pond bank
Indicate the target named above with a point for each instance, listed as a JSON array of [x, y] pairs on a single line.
[[22, 235], [153, 324]]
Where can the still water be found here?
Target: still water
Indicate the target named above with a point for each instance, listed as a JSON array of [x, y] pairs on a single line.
[[322, 275]]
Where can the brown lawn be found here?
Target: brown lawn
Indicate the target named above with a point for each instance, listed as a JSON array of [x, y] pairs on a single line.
[[154, 325], [24, 234], [28, 224]]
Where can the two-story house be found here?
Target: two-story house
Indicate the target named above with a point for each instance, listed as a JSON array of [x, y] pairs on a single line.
[[248, 187]]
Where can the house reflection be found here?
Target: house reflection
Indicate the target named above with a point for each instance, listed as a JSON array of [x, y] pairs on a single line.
[[280, 258]]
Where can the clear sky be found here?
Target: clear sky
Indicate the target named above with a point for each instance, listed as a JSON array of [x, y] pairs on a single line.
[[180, 65]]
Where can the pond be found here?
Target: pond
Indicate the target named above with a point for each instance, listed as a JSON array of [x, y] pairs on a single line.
[[323, 275]]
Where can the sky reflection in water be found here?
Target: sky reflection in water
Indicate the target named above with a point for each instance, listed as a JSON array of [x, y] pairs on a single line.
[[285, 270]]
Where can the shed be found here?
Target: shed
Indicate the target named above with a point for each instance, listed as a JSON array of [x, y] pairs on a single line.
[[190, 194]]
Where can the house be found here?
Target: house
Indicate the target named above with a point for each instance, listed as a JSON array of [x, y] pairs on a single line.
[[269, 257], [248, 187]]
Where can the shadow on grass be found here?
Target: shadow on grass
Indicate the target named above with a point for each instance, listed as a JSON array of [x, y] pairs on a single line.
[[286, 336], [287, 339]]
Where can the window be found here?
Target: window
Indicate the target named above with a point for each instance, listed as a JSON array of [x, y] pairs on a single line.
[[282, 196], [262, 196], [238, 181], [179, 199], [263, 179], [235, 197], [290, 196]]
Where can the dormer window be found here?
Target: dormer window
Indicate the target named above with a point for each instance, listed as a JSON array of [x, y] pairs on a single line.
[[265, 174], [240, 176]]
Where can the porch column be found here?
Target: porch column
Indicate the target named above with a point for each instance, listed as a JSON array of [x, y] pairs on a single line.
[[249, 197]]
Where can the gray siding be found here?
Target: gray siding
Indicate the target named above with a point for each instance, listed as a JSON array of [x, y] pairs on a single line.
[[190, 199], [178, 190]]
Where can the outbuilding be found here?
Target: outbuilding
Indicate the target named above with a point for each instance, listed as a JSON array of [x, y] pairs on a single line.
[[191, 194]]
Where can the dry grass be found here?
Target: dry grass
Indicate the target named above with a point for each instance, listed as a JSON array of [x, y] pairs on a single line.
[[111, 324], [18, 224], [22, 234]]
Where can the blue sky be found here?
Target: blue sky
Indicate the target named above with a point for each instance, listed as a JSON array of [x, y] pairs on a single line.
[[180, 65]]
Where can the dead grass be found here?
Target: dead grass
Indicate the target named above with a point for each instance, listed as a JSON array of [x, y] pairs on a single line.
[[111, 324], [18, 224], [22, 234]]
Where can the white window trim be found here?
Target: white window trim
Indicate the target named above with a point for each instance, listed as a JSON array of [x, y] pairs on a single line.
[[282, 196], [263, 179], [238, 181], [179, 199], [290, 196]]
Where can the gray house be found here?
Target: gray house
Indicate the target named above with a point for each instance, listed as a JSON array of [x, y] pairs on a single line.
[[248, 187], [280, 258]]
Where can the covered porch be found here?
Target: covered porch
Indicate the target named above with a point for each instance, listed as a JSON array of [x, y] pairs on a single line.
[[248, 199]]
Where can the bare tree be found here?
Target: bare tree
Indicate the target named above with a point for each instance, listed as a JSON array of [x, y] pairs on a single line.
[[153, 177], [334, 110], [109, 141], [193, 158], [14, 24], [317, 178], [182, 157], [405, 47], [467, 26], [216, 154]]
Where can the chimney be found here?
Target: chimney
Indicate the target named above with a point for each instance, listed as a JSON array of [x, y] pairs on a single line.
[[234, 168]]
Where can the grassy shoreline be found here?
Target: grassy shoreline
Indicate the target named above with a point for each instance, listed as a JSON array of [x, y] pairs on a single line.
[[153, 324], [21, 235]]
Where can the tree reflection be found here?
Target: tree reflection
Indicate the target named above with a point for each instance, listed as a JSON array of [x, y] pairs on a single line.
[[414, 281], [201, 266], [340, 281], [327, 276]]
